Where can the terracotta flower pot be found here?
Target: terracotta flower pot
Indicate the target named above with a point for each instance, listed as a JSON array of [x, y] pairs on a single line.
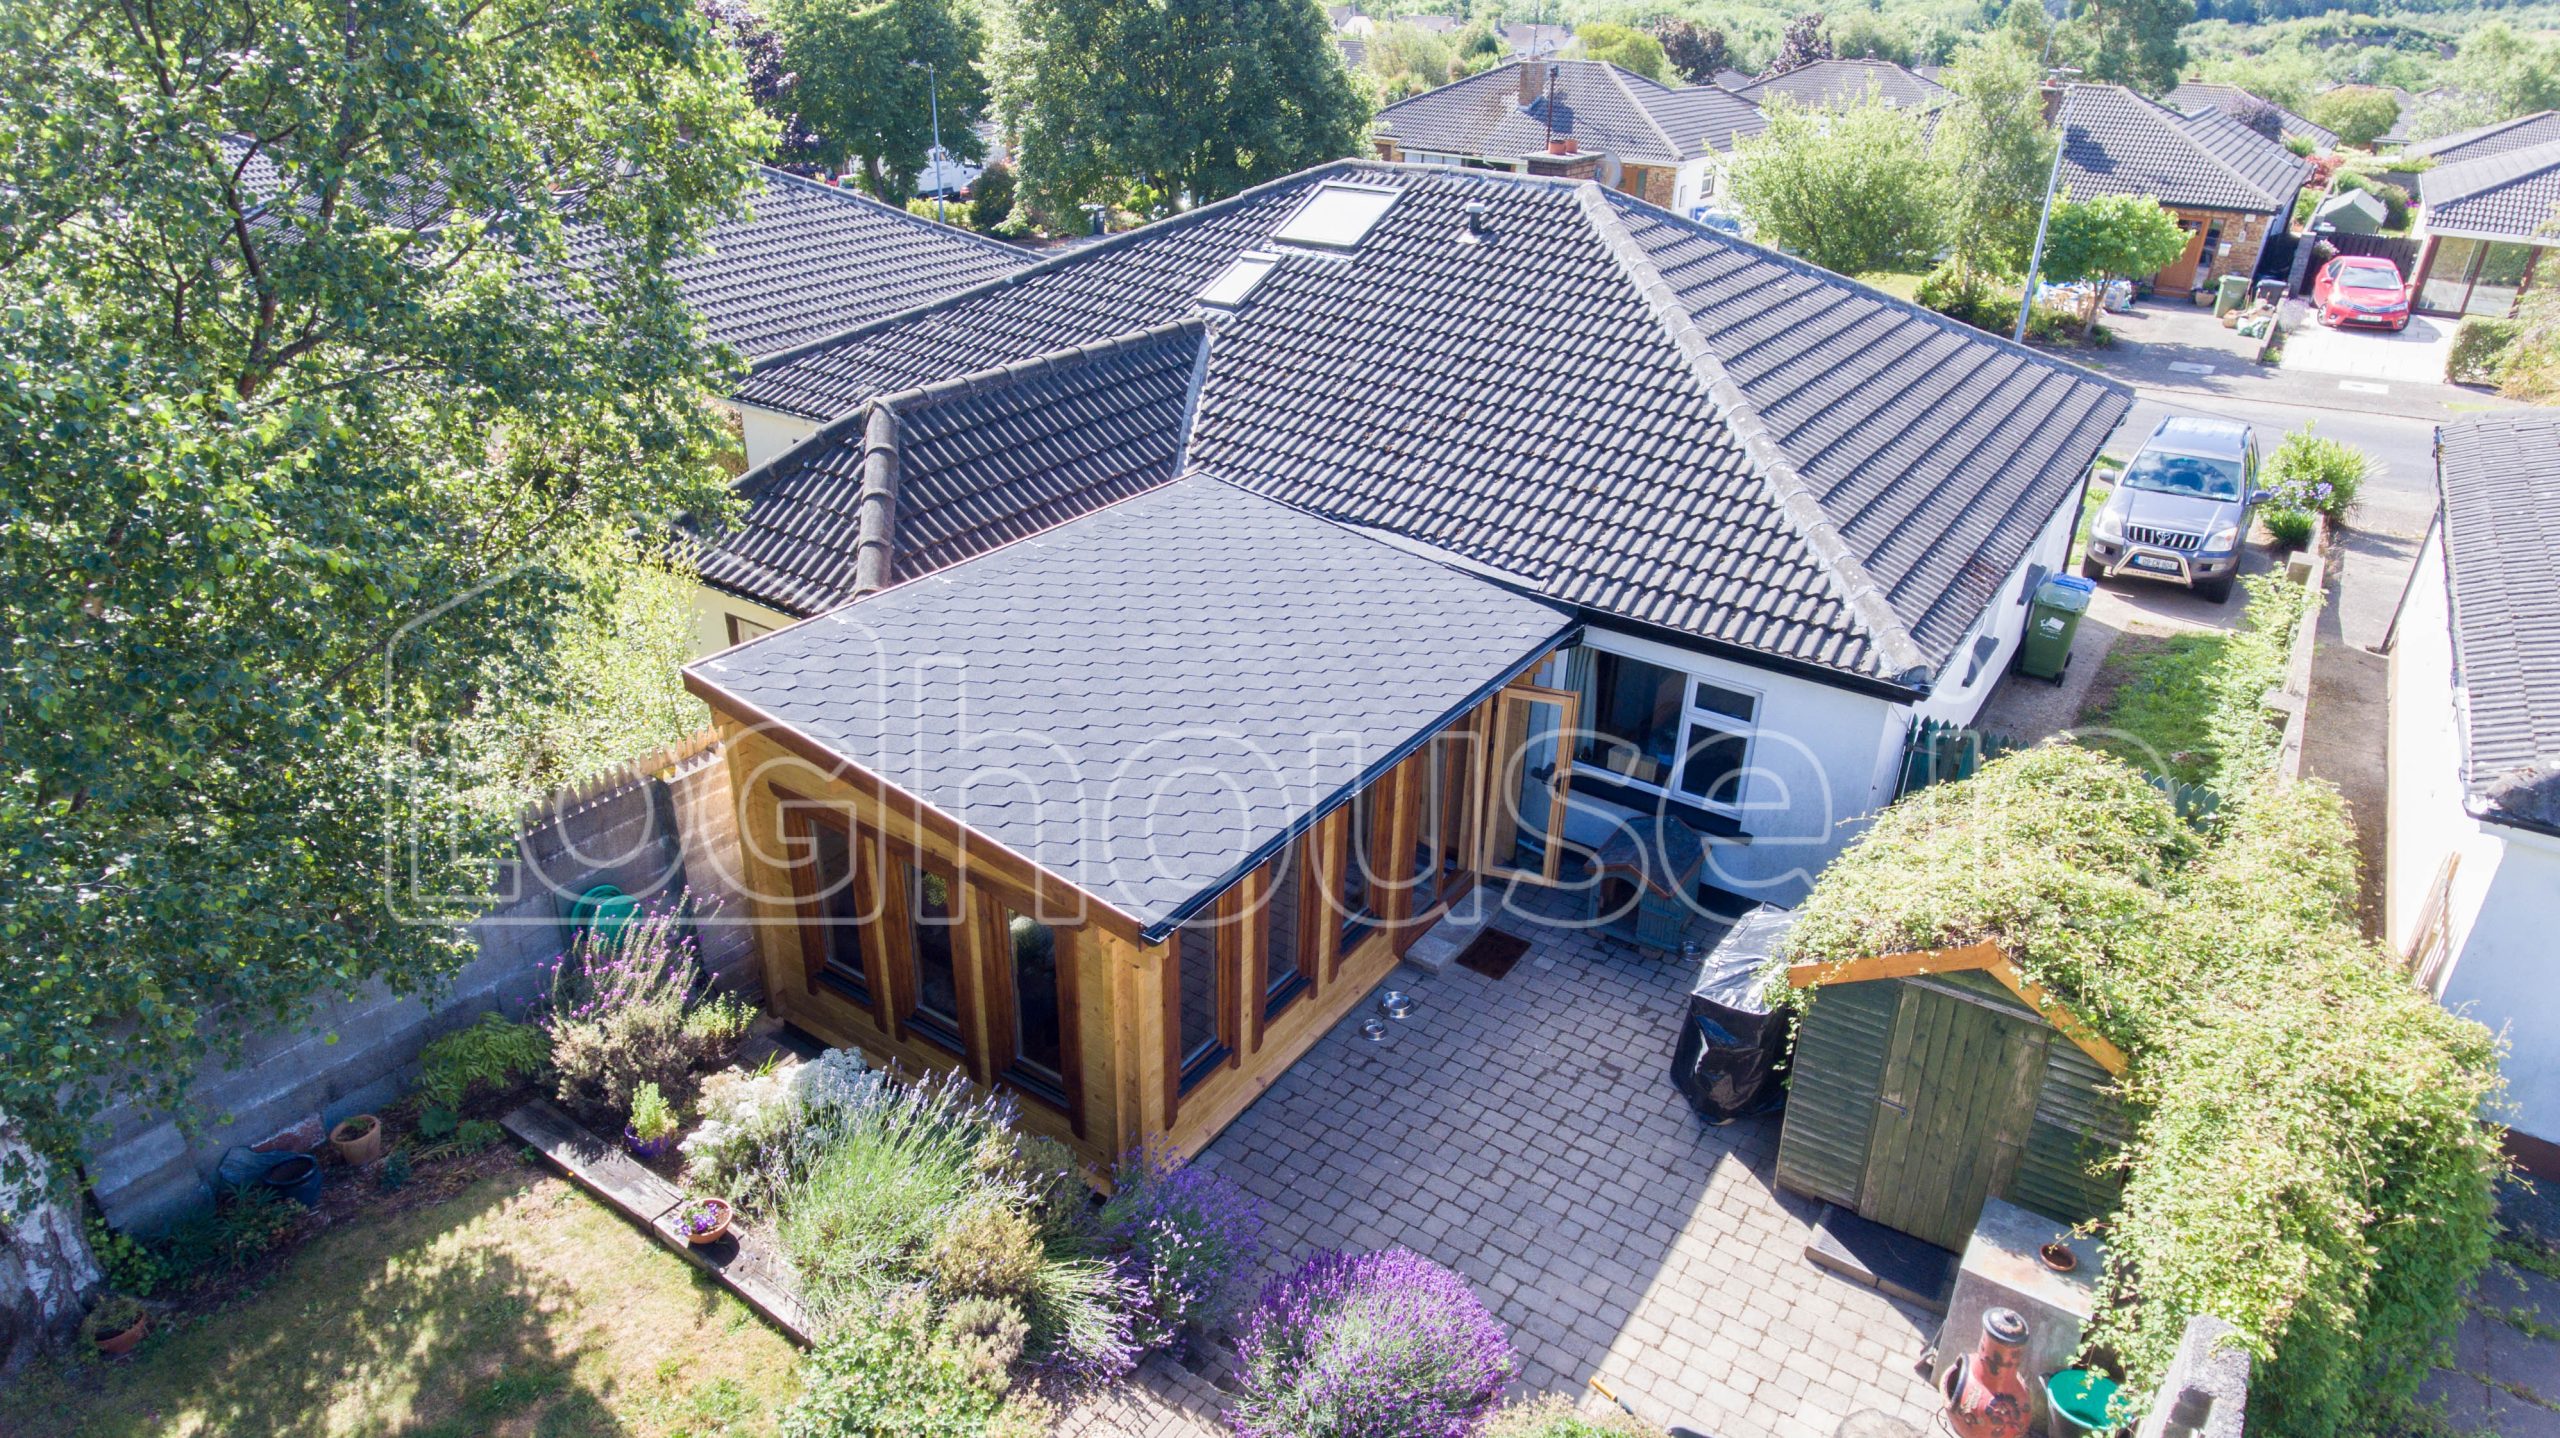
[[721, 1214], [116, 1345], [358, 1140]]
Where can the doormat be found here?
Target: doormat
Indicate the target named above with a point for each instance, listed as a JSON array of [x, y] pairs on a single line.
[[1492, 953]]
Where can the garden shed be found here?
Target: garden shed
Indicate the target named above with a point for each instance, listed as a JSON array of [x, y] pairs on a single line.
[[1925, 1083]]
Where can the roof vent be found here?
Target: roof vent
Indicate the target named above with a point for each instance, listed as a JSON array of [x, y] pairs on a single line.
[[1476, 226], [1238, 280], [1337, 216]]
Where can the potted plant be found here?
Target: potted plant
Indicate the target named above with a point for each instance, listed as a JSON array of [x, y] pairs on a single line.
[[703, 1221], [652, 1129], [117, 1324], [358, 1139]]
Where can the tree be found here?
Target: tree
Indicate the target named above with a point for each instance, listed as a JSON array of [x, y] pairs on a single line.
[[1867, 36], [991, 199], [1995, 154], [1626, 47], [1184, 101], [1805, 43], [1407, 59], [1479, 48], [313, 440], [2133, 43], [1695, 52], [2110, 237], [2361, 114], [1850, 189], [2257, 115], [865, 88], [770, 81], [2498, 75]]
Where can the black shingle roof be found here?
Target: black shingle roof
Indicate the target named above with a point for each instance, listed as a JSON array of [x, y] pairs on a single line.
[[1607, 109], [813, 260], [1148, 699], [2521, 133], [1612, 406], [2117, 143], [2504, 194], [2195, 95], [1825, 83], [2499, 481], [915, 481]]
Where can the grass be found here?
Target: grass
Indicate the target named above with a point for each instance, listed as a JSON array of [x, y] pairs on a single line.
[[2152, 703], [1895, 283], [2095, 500], [518, 1307]]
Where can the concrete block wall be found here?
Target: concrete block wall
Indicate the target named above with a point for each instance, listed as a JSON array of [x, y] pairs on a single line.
[[663, 829]]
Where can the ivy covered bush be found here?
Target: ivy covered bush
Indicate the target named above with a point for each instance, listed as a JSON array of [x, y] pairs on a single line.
[[2309, 1160], [1369, 1345]]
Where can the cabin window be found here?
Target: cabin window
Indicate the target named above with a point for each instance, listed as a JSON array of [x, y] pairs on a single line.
[[1440, 839], [933, 920], [1357, 886], [1039, 1024], [832, 912], [1204, 985], [1285, 973]]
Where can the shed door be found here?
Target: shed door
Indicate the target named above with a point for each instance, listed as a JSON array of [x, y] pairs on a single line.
[[1952, 1115]]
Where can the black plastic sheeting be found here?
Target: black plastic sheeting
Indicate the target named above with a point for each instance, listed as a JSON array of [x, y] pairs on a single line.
[[1731, 1044]]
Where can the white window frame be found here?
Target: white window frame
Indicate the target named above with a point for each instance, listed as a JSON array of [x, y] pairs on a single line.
[[1692, 718]]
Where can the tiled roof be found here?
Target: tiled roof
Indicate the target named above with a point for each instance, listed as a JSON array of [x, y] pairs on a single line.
[[1607, 404], [1825, 83], [2521, 133], [814, 260], [2499, 481], [2196, 95], [1148, 699], [913, 482], [2116, 142], [2512, 195], [1607, 109]]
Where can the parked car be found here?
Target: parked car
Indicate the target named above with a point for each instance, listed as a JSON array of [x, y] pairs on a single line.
[[2179, 512], [2361, 290]]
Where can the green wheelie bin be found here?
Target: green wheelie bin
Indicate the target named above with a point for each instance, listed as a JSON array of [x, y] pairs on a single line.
[[2053, 616]]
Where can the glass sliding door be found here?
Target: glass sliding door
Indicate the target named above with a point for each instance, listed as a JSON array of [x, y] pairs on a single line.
[[2500, 279], [2448, 281], [1532, 766]]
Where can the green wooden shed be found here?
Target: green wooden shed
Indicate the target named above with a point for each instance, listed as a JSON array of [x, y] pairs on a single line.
[[1927, 1082]]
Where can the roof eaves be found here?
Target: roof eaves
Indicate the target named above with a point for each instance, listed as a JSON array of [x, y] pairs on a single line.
[[1901, 655]]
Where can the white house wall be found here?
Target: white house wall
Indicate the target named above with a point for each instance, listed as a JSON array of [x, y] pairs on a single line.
[[1957, 702], [2504, 899], [769, 432], [712, 611]]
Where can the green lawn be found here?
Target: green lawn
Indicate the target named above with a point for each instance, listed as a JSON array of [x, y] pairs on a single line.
[[517, 1307], [1893, 282], [2150, 703]]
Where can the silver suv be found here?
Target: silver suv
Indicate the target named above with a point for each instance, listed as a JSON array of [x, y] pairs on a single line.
[[2180, 511]]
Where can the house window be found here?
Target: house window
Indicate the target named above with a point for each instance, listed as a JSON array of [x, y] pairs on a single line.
[[933, 922], [1438, 855], [1659, 729], [1204, 988], [742, 629], [1285, 973], [832, 911]]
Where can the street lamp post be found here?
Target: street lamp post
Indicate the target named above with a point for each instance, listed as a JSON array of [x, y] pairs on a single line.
[[941, 161], [2044, 217]]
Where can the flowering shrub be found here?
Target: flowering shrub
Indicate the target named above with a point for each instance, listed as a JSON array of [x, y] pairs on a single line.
[[624, 1012], [1371, 1345], [1186, 1235], [2315, 475], [892, 1373], [752, 1123]]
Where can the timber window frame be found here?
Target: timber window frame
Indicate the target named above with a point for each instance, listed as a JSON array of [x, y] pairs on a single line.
[[910, 867], [811, 823], [1223, 930], [1000, 999]]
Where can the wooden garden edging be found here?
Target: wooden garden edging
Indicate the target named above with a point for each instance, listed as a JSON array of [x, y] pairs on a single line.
[[745, 1262]]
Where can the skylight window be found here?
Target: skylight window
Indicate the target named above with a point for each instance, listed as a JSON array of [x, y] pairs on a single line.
[[1337, 216], [1237, 280]]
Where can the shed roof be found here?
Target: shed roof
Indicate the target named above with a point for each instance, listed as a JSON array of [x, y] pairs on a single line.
[[1606, 108], [2498, 480], [1614, 407], [2117, 143], [2502, 195], [1148, 701]]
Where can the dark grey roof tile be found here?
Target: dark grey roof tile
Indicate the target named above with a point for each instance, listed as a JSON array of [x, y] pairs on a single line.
[[2499, 482]]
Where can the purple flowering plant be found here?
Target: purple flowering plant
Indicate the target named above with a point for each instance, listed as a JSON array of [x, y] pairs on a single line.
[[1369, 1345], [701, 1216], [1185, 1236]]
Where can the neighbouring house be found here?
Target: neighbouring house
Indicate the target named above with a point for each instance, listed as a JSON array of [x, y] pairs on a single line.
[[2230, 187], [1197, 613], [2488, 224], [2472, 857], [1536, 41], [1826, 84], [1578, 119], [2524, 132], [2192, 96]]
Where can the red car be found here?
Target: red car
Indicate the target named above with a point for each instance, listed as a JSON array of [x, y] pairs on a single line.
[[2361, 290]]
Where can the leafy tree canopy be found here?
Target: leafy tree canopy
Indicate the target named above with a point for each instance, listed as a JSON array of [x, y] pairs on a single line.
[[1995, 154], [871, 73], [1406, 60], [2109, 237], [1695, 52], [1626, 47], [770, 81], [314, 439], [1184, 101], [2359, 113], [1805, 42], [2497, 75], [1850, 188], [2134, 43]]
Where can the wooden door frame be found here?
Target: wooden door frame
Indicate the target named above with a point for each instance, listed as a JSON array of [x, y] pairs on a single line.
[[1497, 818]]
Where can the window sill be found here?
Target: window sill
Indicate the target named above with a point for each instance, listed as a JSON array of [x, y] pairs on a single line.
[[852, 991], [1282, 994], [1717, 827], [1198, 1070], [942, 1035]]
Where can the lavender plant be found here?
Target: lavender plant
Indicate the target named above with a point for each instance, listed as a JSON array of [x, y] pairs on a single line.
[[1371, 1345], [624, 1011], [1186, 1237]]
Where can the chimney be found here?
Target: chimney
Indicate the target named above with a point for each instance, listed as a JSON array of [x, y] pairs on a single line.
[[2050, 94], [1563, 144], [1562, 162], [1533, 82]]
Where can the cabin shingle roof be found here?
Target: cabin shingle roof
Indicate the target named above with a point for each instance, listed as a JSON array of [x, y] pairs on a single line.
[[1598, 401]]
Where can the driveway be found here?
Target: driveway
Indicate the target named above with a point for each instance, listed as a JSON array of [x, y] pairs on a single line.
[[1524, 1132], [2374, 357]]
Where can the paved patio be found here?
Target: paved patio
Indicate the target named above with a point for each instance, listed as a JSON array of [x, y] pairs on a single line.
[[1524, 1131]]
